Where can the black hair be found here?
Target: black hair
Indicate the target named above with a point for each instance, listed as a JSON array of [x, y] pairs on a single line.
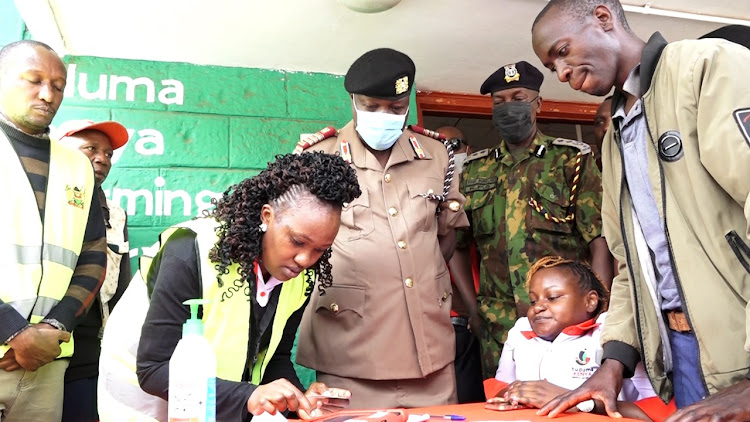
[[587, 279], [582, 10], [11, 48], [328, 178]]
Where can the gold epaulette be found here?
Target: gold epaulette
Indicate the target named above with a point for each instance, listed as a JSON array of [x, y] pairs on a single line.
[[426, 132], [479, 154], [582, 146], [315, 138]]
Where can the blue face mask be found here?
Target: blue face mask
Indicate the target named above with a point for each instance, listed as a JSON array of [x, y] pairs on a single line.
[[379, 130]]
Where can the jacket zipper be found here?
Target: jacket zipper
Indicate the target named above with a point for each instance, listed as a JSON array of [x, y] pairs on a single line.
[[623, 182], [678, 283], [740, 249]]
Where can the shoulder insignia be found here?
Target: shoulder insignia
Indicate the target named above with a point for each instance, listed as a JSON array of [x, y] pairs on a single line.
[[426, 132], [416, 147], [345, 150], [582, 146], [476, 155], [313, 139]]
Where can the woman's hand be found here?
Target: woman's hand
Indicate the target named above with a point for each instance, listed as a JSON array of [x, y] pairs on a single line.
[[278, 395], [324, 400], [520, 394], [499, 403]]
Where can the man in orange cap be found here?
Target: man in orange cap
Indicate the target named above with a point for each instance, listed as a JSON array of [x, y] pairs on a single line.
[[97, 141]]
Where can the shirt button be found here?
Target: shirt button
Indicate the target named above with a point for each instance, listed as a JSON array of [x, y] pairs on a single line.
[[392, 212], [401, 244], [445, 295], [334, 308], [387, 178], [409, 283], [429, 192]]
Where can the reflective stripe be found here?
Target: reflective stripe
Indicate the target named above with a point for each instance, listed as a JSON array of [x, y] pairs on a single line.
[[23, 306], [39, 306], [44, 305], [29, 255], [60, 255]]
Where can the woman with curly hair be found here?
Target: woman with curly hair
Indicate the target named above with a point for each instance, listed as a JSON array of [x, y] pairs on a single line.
[[256, 257]]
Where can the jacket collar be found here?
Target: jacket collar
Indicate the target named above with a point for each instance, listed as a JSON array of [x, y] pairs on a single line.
[[649, 59], [505, 156]]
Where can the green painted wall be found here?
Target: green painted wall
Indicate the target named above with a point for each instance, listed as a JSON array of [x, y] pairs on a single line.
[[12, 27], [195, 130]]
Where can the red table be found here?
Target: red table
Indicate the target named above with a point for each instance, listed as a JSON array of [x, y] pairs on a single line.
[[477, 412]]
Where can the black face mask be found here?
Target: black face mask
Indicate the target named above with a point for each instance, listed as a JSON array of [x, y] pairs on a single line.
[[513, 120]]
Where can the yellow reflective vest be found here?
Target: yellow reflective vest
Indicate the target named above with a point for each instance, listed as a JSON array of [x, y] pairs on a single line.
[[38, 259], [226, 326], [226, 317]]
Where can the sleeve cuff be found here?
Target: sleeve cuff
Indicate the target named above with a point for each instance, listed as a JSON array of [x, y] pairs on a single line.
[[64, 313], [11, 322], [623, 353], [55, 323]]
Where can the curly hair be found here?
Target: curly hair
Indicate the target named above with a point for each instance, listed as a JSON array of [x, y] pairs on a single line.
[[328, 178], [587, 278]]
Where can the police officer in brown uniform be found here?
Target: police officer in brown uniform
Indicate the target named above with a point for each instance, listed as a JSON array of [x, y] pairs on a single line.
[[383, 329]]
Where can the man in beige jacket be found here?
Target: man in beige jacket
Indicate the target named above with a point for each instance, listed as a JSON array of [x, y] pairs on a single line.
[[676, 206]]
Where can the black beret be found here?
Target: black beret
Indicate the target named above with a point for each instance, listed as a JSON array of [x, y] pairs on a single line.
[[383, 73], [514, 75]]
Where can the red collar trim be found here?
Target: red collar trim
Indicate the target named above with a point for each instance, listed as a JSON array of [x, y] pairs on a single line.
[[581, 329], [573, 330], [529, 334], [258, 272]]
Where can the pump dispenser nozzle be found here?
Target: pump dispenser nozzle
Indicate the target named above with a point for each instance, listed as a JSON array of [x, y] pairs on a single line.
[[194, 325]]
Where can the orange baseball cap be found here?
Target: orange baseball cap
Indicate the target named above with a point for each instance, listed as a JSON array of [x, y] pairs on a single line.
[[116, 132]]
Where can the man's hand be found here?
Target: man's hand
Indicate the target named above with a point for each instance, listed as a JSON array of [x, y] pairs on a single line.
[[38, 345], [278, 395], [730, 404], [8, 362], [475, 323], [604, 385]]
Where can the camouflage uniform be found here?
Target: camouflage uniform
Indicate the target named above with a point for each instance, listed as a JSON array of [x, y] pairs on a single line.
[[511, 235]]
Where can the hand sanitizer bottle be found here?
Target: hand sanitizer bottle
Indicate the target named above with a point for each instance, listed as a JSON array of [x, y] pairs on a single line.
[[192, 373]]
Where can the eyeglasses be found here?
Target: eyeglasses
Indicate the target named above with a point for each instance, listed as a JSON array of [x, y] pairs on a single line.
[[455, 143]]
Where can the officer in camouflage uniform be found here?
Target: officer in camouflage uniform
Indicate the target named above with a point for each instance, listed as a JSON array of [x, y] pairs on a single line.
[[531, 196]]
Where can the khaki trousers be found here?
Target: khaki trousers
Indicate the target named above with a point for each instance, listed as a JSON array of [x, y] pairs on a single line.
[[436, 389], [33, 395]]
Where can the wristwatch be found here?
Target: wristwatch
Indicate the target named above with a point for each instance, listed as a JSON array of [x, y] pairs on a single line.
[[586, 406]]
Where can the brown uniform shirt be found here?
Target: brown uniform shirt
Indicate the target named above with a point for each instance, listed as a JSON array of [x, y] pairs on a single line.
[[387, 314]]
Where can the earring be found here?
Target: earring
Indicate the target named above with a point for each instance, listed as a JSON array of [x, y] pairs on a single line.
[[263, 227]]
